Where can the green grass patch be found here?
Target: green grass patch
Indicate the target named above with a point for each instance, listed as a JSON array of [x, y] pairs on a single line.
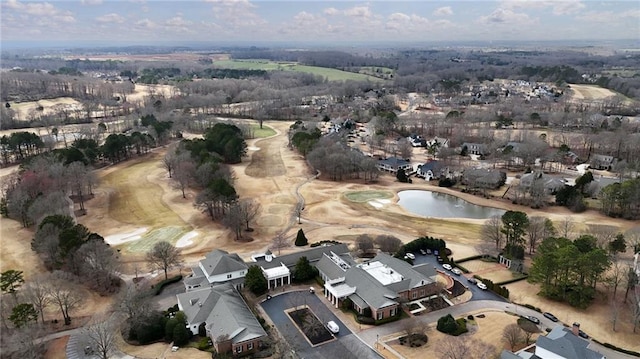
[[263, 132], [366, 196], [267, 65]]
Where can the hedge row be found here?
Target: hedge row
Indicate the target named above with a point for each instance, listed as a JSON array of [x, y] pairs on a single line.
[[479, 256], [326, 241], [531, 307], [494, 287], [157, 289], [513, 280], [463, 269]]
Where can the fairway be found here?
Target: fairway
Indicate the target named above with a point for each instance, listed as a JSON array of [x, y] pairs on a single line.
[[267, 65], [263, 132], [135, 200], [366, 196]]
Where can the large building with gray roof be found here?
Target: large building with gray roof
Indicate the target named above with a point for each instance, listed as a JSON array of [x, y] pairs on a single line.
[[227, 319], [377, 286], [560, 343]]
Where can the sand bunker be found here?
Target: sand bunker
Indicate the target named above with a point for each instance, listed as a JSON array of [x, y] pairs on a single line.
[[253, 148], [116, 239], [379, 203], [186, 240]]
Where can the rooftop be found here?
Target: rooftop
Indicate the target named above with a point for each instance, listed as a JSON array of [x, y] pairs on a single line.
[[381, 272]]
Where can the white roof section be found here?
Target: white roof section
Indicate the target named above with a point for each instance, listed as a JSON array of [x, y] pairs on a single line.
[[276, 272], [339, 288], [381, 272]]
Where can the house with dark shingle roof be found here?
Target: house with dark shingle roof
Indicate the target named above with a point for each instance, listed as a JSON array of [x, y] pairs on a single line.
[[394, 164], [483, 178], [377, 286], [551, 184], [430, 170], [560, 343], [217, 267], [227, 319]]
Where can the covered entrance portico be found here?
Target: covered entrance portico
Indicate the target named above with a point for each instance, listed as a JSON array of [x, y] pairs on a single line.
[[335, 290], [277, 276]]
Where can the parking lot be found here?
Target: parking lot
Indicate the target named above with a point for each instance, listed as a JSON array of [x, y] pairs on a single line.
[[346, 344]]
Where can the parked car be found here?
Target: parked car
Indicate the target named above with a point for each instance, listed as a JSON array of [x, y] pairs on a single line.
[[472, 280], [411, 256], [428, 251], [456, 271], [333, 327], [550, 316], [423, 252], [482, 286], [583, 334], [447, 266], [532, 319]]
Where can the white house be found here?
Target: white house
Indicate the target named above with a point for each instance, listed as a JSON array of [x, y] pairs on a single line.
[[217, 267]]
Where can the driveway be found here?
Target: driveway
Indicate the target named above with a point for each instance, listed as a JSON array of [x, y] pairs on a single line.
[[477, 293], [346, 345]]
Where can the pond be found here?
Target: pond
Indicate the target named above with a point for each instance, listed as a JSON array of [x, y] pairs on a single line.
[[441, 205]]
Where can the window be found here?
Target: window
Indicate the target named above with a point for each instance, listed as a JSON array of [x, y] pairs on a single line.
[[414, 294], [379, 315], [250, 346], [228, 276], [422, 292], [239, 349], [393, 312]]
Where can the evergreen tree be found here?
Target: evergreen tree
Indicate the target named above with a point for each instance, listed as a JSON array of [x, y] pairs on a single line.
[[301, 239]]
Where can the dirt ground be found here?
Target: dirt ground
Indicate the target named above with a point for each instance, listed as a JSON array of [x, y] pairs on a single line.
[[57, 348], [161, 350], [488, 330]]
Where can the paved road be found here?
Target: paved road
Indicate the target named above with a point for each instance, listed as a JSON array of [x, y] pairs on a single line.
[[346, 346]]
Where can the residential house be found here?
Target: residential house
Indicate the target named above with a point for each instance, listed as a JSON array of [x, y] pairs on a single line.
[[551, 184], [394, 164], [416, 141], [560, 343], [278, 269], [226, 318], [217, 267], [430, 170], [483, 178], [377, 286], [602, 162], [478, 149]]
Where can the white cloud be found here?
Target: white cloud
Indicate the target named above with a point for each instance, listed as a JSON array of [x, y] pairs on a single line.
[[506, 16], [145, 24], [237, 13], [443, 11], [91, 2], [608, 16], [331, 11], [558, 7], [110, 18], [359, 11], [40, 9]]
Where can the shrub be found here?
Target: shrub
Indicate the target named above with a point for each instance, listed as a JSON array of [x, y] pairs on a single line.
[[446, 182], [470, 317], [147, 329], [447, 324], [203, 344], [365, 320], [301, 239], [157, 289], [326, 241]]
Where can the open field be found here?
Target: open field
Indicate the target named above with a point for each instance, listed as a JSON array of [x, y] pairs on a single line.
[[591, 92], [268, 65], [23, 110], [488, 329]]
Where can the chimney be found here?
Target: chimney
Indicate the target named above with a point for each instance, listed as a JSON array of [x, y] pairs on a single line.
[[576, 329]]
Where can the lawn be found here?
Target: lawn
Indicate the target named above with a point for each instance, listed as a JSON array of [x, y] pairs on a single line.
[[366, 196], [267, 65], [137, 201], [263, 132]]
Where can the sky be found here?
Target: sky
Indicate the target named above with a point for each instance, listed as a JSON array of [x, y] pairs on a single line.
[[303, 21]]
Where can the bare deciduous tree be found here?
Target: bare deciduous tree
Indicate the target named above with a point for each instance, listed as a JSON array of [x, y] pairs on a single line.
[[63, 294], [566, 227], [132, 301], [164, 256], [492, 231], [464, 348], [364, 243], [248, 210], [279, 241], [512, 334], [603, 233], [102, 337], [36, 292], [184, 171], [387, 243], [535, 232]]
